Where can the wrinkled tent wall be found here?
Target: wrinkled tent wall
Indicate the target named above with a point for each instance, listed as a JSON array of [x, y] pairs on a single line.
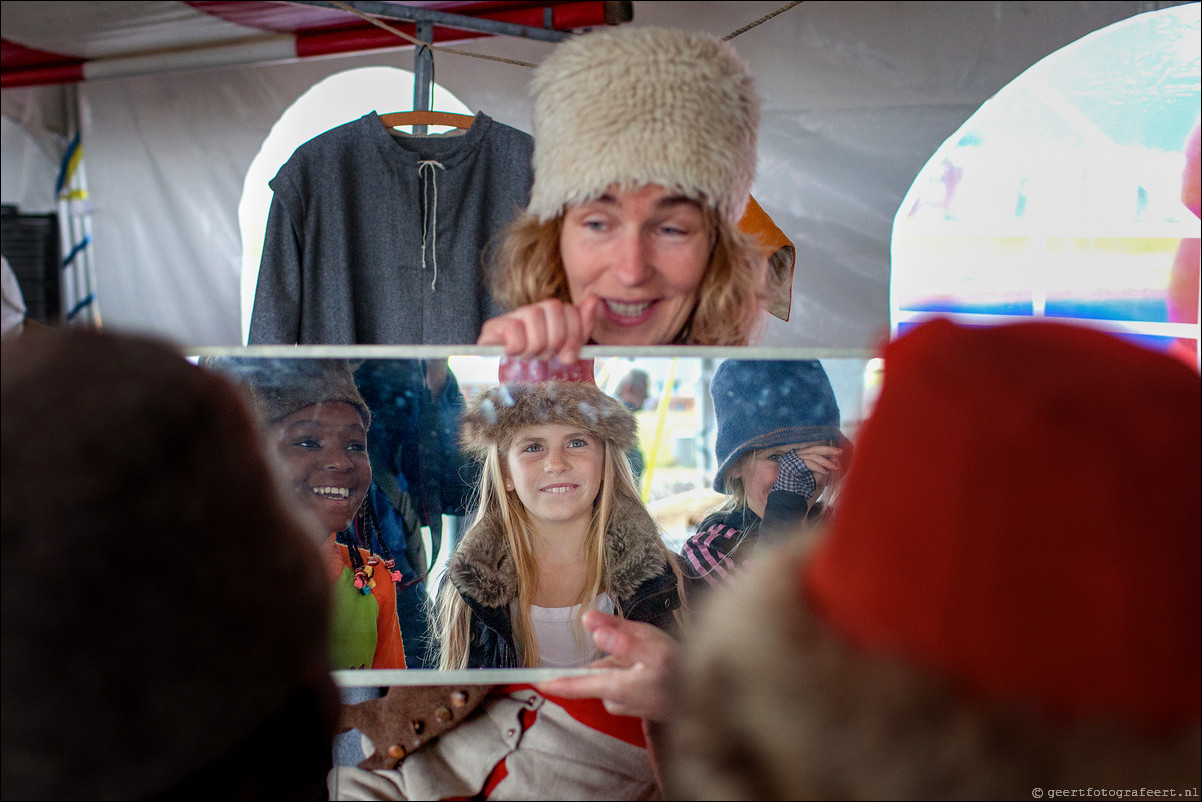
[[857, 96], [32, 145]]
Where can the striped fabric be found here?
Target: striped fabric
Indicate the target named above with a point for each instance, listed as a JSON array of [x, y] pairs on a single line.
[[710, 554]]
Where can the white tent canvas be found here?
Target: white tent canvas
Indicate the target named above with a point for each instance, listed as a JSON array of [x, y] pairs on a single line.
[[856, 98]]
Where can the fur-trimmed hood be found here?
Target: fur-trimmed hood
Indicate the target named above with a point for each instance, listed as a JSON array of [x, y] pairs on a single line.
[[482, 567], [496, 415]]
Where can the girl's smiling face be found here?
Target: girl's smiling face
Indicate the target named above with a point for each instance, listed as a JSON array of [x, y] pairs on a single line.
[[556, 472], [322, 450], [643, 252]]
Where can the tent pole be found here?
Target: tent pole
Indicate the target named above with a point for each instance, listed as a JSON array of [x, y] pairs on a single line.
[[419, 15], [78, 272]]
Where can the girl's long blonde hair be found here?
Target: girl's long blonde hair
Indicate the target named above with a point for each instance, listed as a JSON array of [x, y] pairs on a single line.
[[526, 268], [492, 502]]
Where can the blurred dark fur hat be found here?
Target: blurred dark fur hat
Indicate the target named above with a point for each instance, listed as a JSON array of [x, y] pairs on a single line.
[[142, 641], [279, 387]]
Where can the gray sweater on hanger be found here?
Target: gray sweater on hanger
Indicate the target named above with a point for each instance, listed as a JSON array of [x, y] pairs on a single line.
[[367, 245]]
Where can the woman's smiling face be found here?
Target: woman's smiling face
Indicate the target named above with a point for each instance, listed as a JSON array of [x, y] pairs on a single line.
[[322, 449], [643, 252], [556, 472]]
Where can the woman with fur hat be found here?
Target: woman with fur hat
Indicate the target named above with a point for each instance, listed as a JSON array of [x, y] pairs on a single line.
[[780, 458], [316, 426], [645, 152], [1017, 617]]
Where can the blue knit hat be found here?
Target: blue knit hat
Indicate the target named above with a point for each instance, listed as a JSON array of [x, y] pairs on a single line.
[[765, 403]]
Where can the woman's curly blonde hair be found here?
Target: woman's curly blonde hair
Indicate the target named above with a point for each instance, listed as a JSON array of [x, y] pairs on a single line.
[[526, 268]]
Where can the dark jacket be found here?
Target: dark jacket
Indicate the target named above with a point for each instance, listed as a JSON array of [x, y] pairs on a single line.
[[482, 571], [725, 540]]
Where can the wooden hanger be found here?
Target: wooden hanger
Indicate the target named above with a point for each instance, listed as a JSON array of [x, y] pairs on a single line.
[[424, 117]]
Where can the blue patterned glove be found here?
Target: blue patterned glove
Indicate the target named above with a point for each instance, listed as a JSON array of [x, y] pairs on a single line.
[[795, 476]]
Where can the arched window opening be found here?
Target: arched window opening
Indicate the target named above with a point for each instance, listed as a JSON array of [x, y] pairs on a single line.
[[1061, 197]]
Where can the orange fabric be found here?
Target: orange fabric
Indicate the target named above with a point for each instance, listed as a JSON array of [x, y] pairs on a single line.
[[1023, 520], [755, 221], [772, 240], [390, 648]]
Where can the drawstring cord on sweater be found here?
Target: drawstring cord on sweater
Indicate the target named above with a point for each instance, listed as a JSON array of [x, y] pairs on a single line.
[[430, 213]]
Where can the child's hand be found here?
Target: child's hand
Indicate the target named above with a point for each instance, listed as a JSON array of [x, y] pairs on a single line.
[[794, 476], [822, 460]]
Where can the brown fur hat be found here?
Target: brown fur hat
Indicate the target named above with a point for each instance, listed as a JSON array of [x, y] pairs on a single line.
[[495, 415], [279, 387]]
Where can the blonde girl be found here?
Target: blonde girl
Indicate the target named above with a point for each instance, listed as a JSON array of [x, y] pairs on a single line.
[[559, 530]]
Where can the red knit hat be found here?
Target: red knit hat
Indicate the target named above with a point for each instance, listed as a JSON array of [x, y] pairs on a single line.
[[1023, 520]]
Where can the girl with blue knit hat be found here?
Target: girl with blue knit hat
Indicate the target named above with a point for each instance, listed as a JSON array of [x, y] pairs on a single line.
[[780, 455]]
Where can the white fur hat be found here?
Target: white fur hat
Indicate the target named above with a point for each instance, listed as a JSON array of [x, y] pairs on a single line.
[[638, 106]]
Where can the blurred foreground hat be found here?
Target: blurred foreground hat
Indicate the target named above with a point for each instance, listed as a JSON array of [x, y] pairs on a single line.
[[279, 387], [1023, 519], [1006, 603], [142, 639]]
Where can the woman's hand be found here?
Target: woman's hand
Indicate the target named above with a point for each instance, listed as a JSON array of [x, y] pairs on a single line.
[[644, 684], [543, 330]]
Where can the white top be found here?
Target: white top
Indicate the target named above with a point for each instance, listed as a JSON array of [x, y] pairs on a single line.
[[557, 643]]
